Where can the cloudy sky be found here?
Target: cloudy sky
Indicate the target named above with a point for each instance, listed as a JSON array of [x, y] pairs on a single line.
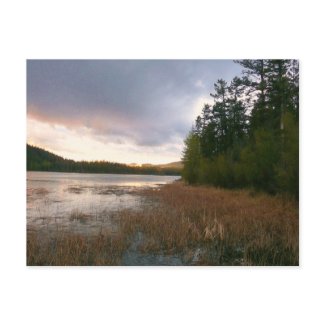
[[129, 111]]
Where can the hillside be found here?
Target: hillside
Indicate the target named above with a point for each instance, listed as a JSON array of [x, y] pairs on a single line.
[[42, 160], [175, 164]]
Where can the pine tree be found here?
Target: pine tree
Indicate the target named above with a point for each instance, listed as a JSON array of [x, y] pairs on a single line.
[[250, 136]]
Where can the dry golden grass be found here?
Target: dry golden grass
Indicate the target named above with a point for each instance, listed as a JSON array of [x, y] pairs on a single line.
[[74, 249], [231, 227], [226, 227]]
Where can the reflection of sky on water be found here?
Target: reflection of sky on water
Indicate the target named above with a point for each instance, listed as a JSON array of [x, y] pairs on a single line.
[[54, 198]]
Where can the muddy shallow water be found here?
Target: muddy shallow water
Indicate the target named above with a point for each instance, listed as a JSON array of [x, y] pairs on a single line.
[[83, 203]]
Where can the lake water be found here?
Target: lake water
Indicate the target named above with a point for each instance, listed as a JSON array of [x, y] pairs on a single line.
[[83, 202]]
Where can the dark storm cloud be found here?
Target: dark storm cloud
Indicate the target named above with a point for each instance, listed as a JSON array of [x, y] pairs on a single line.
[[147, 101]]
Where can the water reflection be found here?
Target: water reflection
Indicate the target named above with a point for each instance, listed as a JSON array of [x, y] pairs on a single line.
[[83, 202]]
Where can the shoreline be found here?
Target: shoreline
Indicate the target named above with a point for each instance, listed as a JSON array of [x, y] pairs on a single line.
[[99, 173]]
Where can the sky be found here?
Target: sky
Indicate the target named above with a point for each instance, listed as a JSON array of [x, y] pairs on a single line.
[[127, 111]]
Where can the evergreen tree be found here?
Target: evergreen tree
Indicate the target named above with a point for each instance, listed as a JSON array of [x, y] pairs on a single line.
[[220, 115], [250, 136], [191, 158], [237, 124]]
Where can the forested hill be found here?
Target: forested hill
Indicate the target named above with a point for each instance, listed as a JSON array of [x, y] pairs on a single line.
[[41, 160]]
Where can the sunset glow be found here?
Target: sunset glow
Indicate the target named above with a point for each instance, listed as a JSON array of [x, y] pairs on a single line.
[[130, 111]]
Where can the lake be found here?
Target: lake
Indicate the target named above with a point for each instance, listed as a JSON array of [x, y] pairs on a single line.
[[83, 202]]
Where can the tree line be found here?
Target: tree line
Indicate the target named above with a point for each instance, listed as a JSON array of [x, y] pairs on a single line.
[[249, 136], [42, 160]]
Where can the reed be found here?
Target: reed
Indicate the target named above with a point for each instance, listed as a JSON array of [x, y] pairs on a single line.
[[74, 249], [230, 227]]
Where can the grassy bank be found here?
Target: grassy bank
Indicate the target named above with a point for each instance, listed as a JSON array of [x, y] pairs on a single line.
[[199, 225]]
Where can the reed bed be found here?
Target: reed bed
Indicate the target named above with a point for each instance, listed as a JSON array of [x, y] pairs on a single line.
[[61, 249], [201, 225]]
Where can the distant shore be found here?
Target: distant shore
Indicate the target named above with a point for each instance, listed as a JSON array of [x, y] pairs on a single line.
[[39, 159], [101, 173]]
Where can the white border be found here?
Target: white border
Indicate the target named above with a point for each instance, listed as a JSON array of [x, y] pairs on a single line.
[[161, 29]]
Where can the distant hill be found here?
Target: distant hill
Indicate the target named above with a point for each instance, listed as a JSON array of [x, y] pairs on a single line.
[[175, 164], [42, 160]]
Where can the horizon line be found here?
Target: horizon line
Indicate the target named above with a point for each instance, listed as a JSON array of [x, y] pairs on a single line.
[[108, 161]]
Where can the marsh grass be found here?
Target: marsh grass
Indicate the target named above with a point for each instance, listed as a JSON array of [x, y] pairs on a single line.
[[201, 225], [77, 215], [75, 189], [229, 227], [74, 249]]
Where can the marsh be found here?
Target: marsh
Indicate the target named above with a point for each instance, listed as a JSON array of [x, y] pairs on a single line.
[[84, 203]]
